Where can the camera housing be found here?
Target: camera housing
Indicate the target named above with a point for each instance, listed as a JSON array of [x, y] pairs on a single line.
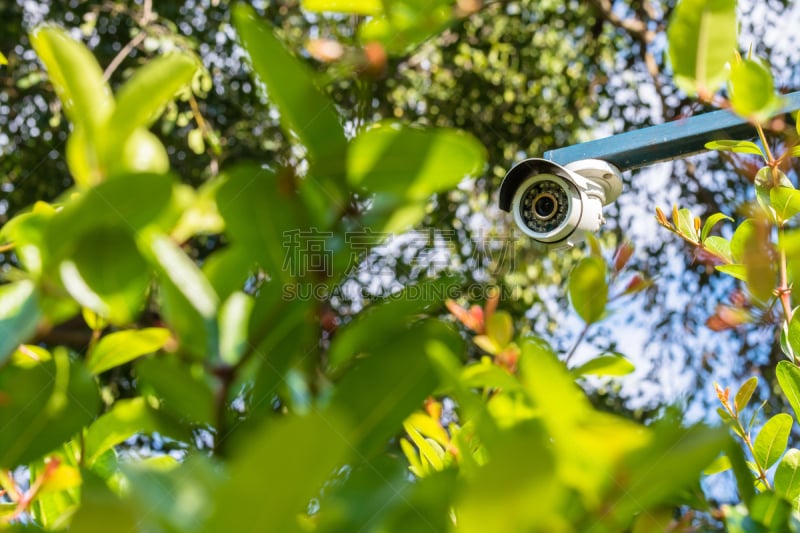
[[555, 205]]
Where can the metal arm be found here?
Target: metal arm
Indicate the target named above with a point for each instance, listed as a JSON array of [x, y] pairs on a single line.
[[664, 142]]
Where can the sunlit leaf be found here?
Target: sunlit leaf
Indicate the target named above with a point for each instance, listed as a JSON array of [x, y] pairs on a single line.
[[745, 392], [702, 38], [357, 7], [712, 221], [76, 77], [588, 289], [772, 440], [785, 201], [752, 90], [143, 96], [605, 365], [741, 147], [789, 380], [412, 163], [122, 347], [720, 464], [787, 476], [718, 246], [500, 328]]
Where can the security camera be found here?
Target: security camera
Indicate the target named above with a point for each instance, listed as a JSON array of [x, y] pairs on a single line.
[[555, 205]]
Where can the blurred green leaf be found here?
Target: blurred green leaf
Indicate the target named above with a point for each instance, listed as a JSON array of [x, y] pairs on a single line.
[[789, 380], [357, 7], [234, 317], [183, 395], [43, 406], [117, 293], [772, 440], [383, 389], [132, 202], [405, 24], [4, 61], [500, 328], [305, 110], [19, 314], [122, 347], [145, 94], [720, 464], [369, 330], [605, 365], [588, 289], [263, 218], [126, 418], [487, 375], [412, 163], [319, 444], [787, 476], [740, 147], [772, 511], [752, 90], [744, 394], [737, 271], [702, 36], [76, 77]]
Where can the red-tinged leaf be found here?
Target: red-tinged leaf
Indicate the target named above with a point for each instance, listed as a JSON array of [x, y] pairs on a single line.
[[623, 255]]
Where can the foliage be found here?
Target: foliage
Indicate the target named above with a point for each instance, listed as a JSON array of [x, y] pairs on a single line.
[[263, 412]]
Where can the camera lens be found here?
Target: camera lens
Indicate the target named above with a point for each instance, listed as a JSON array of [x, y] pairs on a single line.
[[545, 206]]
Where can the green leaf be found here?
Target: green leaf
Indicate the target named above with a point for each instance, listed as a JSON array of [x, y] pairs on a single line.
[[712, 221], [125, 419], [750, 245], [367, 333], [720, 464], [107, 274], [744, 394], [719, 247], [318, 445], [305, 110], [789, 380], [737, 271], [772, 440], [702, 38], [4, 61], [173, 263], [605, 365], [122, 347], [43, 407], [264, 219], [588, 289], [19, 315], [793, 333], [785, 201], [234, 317], [406, 24], [752, 90], [383, 389], [77, 78], [182, 394], [500, 328], [355, 7], [145, 94], [741, 147], [770, 510], [684, 221], [787, 476], [133, 202], [412, 163]]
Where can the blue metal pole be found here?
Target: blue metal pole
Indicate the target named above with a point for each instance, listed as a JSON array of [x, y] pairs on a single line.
[[667, 141]]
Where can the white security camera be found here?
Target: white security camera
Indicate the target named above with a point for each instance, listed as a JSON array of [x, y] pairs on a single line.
[[555, 205]]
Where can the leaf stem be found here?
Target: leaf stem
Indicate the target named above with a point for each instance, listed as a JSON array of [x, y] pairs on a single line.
[[578, 342]]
